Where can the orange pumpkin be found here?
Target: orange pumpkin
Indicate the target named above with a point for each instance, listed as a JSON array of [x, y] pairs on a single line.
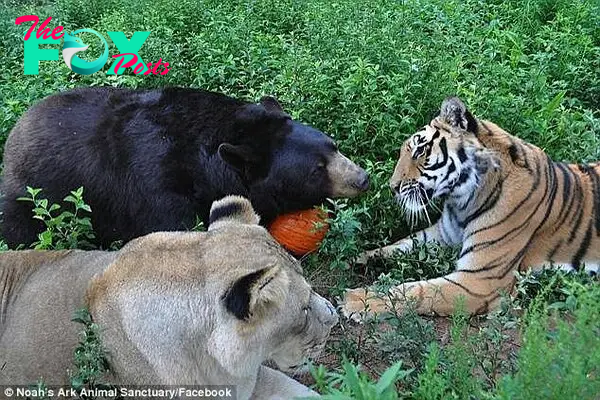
[[297, 231]]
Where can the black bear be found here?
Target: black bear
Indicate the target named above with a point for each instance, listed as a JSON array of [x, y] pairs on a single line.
[[155, 160]]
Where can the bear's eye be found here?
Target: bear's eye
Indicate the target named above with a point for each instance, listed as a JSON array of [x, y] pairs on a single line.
[[319, 168]]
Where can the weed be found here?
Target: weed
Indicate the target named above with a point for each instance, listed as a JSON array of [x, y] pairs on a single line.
[[63, 229], [406, 336], [341, 244], [423, 261], [461, 368], [494, 346], [351, 383], [559, 358], [431, 384], [551, 285], [89, 356]]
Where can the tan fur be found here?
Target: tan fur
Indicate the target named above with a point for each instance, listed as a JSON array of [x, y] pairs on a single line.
[[344, 175], [526, 212], [160, 304]]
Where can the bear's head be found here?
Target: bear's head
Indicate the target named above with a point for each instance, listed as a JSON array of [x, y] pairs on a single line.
[[286, 165]]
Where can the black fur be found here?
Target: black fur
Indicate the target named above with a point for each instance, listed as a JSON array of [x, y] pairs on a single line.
[[471, 122], [153, 160], [237, 298], [462, 154], [224, 211], [455, 112]]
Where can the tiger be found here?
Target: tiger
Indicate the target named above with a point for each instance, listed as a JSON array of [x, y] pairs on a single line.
[[506, 204]]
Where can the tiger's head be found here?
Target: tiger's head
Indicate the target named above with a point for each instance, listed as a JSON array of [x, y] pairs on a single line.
[[445, 158]]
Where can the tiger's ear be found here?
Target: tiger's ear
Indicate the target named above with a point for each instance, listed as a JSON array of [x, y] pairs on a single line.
[[249, 294], [232, 209], [455, 113]]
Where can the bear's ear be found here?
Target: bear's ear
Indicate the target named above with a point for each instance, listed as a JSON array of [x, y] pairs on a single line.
[[231, 209], [250, 114], [250, 163], [455, 113], [238, 156], [268, 111], [271, 104], [252, 292]]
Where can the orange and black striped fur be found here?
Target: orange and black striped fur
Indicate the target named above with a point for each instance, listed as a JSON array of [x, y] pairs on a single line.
[[507, 204]]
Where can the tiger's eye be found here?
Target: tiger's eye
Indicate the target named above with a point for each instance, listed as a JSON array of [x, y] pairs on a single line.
[[418, 153]]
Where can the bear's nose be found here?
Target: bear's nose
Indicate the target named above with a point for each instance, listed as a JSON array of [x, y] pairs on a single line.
[[362, 183]]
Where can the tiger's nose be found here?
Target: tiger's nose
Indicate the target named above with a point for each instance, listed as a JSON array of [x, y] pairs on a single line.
[[395, 186]]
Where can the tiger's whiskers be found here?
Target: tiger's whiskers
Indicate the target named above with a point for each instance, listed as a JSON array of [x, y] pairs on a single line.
[[414, 203]]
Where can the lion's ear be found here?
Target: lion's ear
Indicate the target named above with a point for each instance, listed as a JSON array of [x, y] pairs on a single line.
[[455, 113], [254, 291], [232, 209]]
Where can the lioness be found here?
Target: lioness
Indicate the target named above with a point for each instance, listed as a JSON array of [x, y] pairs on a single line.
[[184, 308]]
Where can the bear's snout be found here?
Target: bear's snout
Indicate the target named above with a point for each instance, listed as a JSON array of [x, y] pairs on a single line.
[[347, 179], [362, 182]]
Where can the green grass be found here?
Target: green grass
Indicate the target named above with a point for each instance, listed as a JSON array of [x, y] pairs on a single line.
[[557, 358], [369, 74]]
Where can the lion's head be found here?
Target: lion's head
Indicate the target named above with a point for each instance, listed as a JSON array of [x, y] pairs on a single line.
[[226, 300]]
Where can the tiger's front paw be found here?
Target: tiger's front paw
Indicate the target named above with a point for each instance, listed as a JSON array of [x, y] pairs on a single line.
[[360, 304]]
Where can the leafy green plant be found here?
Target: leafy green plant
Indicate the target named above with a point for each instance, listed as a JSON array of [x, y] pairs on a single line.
[[198, 226], [551, 285], [341, 244], [558, 359], [431, 384], [64, 229], [406, 335], [423, 261], [89, 356], [493, 345], [461, 368], [351, 383]]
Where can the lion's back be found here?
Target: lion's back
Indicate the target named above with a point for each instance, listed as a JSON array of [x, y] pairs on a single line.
[[39, 291]]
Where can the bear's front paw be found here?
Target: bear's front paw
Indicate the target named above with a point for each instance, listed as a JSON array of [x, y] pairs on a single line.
[[360, 305]]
